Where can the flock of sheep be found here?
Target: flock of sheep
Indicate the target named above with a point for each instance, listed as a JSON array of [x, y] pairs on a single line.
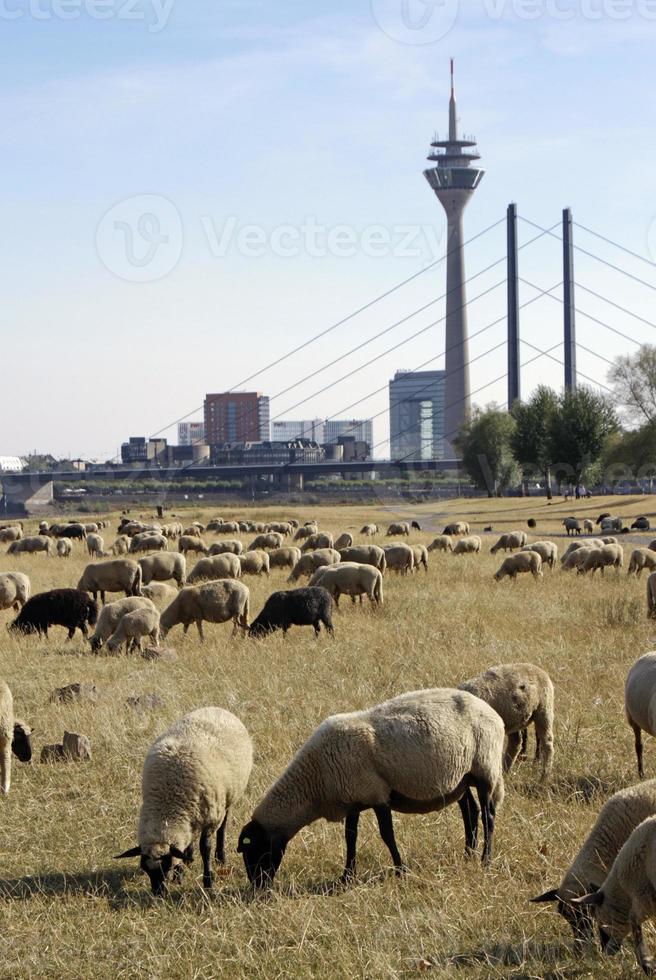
[[416, 753]]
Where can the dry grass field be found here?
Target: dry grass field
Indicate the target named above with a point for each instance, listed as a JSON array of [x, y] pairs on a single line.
[[69, 910]]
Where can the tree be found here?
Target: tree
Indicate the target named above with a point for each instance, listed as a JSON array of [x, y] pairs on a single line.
[[633, 377], [484, 447], [580, 428], [532, 440]]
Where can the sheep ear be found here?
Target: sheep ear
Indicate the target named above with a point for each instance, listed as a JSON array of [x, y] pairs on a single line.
[[593, 898], [177, 853], [550, 896], [133, 852]]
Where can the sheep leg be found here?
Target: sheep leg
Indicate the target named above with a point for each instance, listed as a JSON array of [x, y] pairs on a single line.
[[522, 751], [71, 633], [199, 625], [206, 854], [219, 857], [512, 748], [469, 811], [637, 731], [386, 828], [351, 837], [5, 764], [487, 817], [643, 956], [544, 741]]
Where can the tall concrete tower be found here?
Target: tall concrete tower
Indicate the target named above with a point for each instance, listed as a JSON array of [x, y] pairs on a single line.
[[454, 180]]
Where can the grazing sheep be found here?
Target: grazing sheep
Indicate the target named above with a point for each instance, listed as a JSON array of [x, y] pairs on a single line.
[[318, 541], [121, 545], [14, 590], [132, 627], [111, 615], [399, 557], [282, 527], [306, 532], [547, 550], [468, 546], [64, 547], [160, 593], [95, 545], [521, 694], [148, 542], [417, 753], [226, 547], [524, 561], [226, 527], [212, 569], [308, 563], [214, 602], [640, 702], [351, 579], [365, 554], [420, 557], [398, 528], [284, 557], [607, 540], [369, 530], [298, 607], [92, 528], [345, 540], [572, 525], [588, 526], [120, 575], [628, 895], [532, 523], [577, 545], [73, 530], [456, 528], [192, 775], [71, 608], [15, 736], [611, 555], [9, 534], [193, 530], [575, 559], [641, 524], [31, 546], [188, 543], [266, 542], [617, 819], [441, 543], [641, 558], [609, 523], [163, 567], [255, 563], [509, 542]]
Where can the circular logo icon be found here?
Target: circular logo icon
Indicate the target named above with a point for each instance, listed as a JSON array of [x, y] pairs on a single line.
[[415, 21], [140, 239]]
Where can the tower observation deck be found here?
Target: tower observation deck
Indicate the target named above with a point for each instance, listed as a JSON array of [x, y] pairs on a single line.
[[454, 180]]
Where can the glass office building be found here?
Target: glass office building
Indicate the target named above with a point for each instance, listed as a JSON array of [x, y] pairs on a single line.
[[417, 415]]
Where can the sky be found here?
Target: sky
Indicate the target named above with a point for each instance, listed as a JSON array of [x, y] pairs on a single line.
[[192, 190]]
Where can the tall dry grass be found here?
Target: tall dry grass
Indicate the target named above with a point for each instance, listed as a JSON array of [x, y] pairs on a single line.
[[69, 910]]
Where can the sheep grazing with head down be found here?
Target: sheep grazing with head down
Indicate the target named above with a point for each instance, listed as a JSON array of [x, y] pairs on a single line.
[[510, 542], [15, 736], [161, 594], [163, 568], [521, 694], [456, 528], [514, 565], [311, 606], [214, 602], [95, 545], [610, 556], [308, 563], [617, 819], [467, 546], [192, 775], [399, 558], [111, 615], [575, 559], [365, 554], [255, 563], [212, 569], [398, 528], [318, 541], [547, 550], [417, 753], [284, 557], [64, 547], [442, 542], [627, 898], [369, 530], [31, 546], [14, 590], [133, 627], [641, 558], [190, 543], [349, 578], [120, 575], [420, 557]]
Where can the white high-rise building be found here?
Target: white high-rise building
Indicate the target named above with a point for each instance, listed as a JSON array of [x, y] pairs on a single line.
[[191, 433], [362, 430], [286, 430]]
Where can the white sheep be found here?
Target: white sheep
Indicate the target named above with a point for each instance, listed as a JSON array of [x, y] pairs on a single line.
[[467, 546], [575, 559], [95, 545], [121, 545], [588, 526], [349, 578], [456, 528], [284, 557], [640, 701], [414, 754], [189, 543], [120, 575], [308, 563], [162, 567], [317, 541], [510, 542], [521, 693], [133, 627], [577, 545], [369, 530], [217, 567], [399, 558], [64, 547], [31, 546], [547, 550], [441, 543], [192, 775], [160, 593], [419, 556], [15, 590], [523, 561], [111, 614], [233, 547], [345, 540], [398, 528], [641, 558], [214, 602], [365, 554], [611, 555], [255, 562], [15, 736], [628, 895], [618, 817]]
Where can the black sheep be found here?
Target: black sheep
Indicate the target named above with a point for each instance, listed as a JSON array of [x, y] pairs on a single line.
[[532, 522], [416, 526], [71, 608], [298, 607]]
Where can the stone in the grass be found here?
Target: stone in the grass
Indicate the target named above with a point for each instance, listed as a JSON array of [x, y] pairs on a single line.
[[77, 747], [80, 691], [165, 654], [52, 753], [146, 702]]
